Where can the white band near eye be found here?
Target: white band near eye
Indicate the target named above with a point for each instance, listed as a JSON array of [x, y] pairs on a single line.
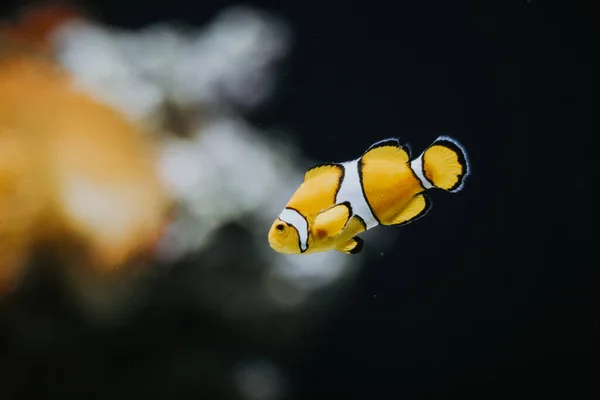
[[295, 219]]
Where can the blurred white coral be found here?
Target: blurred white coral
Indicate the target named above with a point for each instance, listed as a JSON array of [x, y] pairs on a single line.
[[227, 63], [247, 175], [90, 52], [225, 172]]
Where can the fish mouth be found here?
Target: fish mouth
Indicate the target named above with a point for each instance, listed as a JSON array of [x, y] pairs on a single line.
[[274, 245], [277, 246]]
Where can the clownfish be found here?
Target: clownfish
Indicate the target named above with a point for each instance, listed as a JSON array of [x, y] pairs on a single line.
[[338, 201]]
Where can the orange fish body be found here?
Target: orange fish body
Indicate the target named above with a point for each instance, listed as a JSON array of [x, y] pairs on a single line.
[[338, 201]]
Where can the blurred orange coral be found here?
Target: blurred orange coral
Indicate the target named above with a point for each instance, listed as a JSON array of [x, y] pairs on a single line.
[[74, 173]]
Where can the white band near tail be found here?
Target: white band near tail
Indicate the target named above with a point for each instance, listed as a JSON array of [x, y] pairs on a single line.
[[417, 166], [295, 219]]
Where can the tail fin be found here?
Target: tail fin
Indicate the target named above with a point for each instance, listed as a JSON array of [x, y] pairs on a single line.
[[444, 165]]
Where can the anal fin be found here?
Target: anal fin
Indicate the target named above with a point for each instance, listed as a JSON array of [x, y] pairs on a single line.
[[415, 209], [352, 246]]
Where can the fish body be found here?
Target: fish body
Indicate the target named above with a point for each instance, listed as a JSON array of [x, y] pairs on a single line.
[[385, 186]]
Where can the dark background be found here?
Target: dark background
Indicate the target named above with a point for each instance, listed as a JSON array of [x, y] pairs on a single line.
[[500, 302]]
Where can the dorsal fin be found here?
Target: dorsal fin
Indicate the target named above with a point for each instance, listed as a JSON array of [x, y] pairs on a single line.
[[389, 148], [320, 169]]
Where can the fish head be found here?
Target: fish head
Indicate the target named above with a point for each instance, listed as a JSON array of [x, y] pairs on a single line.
[[284, 237]]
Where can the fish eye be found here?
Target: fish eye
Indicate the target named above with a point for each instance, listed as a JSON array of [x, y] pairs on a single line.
[[280, 227]]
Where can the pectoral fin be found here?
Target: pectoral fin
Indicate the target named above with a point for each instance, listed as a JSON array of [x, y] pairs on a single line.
[[331, 222], [352, 246]]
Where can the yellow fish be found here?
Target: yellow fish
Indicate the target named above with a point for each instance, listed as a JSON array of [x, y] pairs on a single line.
[[338, 201]]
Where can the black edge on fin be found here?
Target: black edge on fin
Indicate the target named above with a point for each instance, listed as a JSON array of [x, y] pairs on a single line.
[[407, 149], [393, 142], [327, 164], [349, 207], [463, 159], [360, 244], [385, 142], [421, 214], [362, 221]]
